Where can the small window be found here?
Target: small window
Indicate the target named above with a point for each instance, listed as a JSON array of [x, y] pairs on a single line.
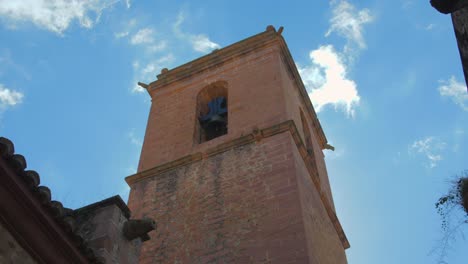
[[212, 112]]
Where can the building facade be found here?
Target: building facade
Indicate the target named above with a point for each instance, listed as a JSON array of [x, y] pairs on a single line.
[[232, 168]]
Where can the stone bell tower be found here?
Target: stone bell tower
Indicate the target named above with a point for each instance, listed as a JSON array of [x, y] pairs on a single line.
[[232, 168]]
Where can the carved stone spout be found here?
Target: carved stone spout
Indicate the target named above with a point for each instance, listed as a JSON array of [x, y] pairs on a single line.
[[135, 228]]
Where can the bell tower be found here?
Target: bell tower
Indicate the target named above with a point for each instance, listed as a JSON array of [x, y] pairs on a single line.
[[232, 168]]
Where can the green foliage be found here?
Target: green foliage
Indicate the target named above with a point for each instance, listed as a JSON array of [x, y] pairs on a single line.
[[456, 198], [453, 209]]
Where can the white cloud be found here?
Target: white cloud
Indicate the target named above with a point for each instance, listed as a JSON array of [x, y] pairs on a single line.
[[134, 139], [326, 78], [430, 27], [157, 47], [430, 148], [150, 70], [143, 36], [199, 42], [121, 34], [9, 97], [202, 43], [54, 15], [456, 91], [327, 82], [334, 154], [348, 22], [128, 3]]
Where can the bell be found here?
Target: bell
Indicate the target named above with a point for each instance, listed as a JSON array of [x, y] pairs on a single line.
[[215, 122], [217, 112]]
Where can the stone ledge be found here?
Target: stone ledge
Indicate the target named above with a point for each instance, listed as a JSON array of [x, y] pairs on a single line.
[[116, 200]]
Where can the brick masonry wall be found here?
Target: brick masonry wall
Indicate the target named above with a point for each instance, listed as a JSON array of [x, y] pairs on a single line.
[[293, 103], [251, 204], [324, 245], [255, 99], [261, 93], [241, 206]]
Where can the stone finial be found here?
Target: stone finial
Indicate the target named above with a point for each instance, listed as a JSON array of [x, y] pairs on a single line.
[[280, 30], [165, 70], [138, 228], [270, 28]]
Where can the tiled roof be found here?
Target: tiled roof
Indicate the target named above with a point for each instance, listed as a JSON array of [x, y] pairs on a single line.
[[62, 216]]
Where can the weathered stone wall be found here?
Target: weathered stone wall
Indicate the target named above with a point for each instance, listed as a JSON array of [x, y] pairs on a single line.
[[10, 251], [101, 228]]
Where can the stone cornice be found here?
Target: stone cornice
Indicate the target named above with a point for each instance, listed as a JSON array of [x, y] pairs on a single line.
[[216, 57], [221, 56], [256, 135]]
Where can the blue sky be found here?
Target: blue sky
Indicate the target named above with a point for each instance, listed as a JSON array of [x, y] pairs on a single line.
[[385, 78]]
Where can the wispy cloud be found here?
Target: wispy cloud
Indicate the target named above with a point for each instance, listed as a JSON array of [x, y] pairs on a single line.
[[54, 15], [456, 91], [334, 154], [143, 36], [327, 81], [326, 78], [407, 4], [149, 64], [121, 34], [202, 43], [199, 42], [430, 148], [134, 139], [9, 97], [148, 71], [349, 22], [430, 27]]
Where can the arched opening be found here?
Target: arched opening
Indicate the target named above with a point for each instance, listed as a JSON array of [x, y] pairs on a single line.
[[212, 112]]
